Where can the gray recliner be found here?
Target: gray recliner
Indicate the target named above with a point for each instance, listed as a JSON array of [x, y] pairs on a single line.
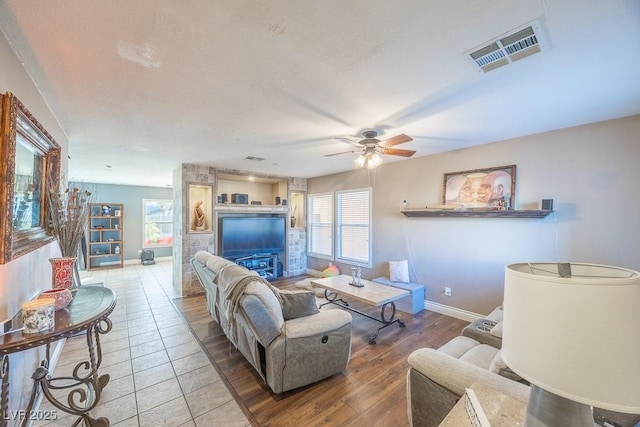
[[282, 334]]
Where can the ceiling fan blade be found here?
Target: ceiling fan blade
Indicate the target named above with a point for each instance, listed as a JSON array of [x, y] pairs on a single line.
[[398, 139], [337, 154], [350, 141], [399, 152]]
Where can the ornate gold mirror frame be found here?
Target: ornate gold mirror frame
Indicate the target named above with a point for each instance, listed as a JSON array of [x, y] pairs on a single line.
[[30, 162]]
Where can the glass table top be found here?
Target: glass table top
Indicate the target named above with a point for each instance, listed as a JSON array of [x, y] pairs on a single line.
[[90, 305]]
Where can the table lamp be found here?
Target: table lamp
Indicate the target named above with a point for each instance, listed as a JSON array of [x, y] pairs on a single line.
[[573, 331]]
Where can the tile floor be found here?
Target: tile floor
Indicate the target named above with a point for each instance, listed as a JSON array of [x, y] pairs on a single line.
[[159, 374]]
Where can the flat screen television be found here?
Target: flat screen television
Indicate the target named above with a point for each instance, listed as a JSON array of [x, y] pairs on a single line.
[[251, 235]]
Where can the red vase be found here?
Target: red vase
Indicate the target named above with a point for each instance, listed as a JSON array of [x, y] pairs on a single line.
[[62, 277]]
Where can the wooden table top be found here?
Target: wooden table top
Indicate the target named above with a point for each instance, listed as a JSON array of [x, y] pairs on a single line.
[[371, 293]]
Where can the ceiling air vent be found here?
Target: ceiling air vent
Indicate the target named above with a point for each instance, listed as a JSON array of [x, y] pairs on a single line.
[[518, 44], [253, 158]]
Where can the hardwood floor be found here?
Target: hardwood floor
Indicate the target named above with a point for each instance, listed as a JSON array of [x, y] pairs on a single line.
[[372, 391]]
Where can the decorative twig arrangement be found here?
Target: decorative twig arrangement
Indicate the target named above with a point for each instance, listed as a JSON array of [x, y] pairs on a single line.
[[69, 215]]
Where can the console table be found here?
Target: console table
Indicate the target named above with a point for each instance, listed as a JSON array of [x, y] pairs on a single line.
[[264, 265], [87, 313]]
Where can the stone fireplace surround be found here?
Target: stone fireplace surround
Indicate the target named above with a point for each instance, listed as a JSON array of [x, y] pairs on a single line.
[[187, 244]]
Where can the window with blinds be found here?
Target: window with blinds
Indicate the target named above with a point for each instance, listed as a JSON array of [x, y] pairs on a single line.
[[320, 225], [157, 223], [353, 226]]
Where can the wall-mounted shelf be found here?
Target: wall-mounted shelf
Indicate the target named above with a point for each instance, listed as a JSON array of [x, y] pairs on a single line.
[[251, 208], [266, 190], [474, 213]]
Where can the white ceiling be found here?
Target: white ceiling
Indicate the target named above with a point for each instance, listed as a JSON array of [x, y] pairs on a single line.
[[146, 85]]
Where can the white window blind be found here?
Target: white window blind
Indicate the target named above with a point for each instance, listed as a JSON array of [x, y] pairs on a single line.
[[320, 225], [353, 226]]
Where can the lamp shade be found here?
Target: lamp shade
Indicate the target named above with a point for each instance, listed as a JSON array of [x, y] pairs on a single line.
[[575, 333]]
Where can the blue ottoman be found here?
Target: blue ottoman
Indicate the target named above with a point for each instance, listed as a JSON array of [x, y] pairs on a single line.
[[413, 303]]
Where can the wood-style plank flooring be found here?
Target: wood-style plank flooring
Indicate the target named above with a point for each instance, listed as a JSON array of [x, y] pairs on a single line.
[[371, 392]]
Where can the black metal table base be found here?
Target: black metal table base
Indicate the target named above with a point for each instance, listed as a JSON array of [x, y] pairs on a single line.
[[332, 298], [85, 384], [86, 316]]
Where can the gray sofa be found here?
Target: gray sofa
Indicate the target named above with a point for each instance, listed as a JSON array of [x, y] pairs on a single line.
[[282, 334]]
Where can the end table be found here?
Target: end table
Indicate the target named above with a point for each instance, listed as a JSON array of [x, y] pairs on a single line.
[[87, 313], [501, 410]]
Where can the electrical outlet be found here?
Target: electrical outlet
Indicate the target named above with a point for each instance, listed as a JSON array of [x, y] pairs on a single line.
[[447, 291]]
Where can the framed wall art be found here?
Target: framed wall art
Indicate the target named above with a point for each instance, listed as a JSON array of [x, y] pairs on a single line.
[[200, 208], [481, 188], [30, 166]]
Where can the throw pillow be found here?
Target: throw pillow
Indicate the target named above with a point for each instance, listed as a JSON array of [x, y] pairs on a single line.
[[296, 304], [306, 284], [330, 271], [399, 271]]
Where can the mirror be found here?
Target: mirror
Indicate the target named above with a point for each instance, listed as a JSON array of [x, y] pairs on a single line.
[[30, 162]]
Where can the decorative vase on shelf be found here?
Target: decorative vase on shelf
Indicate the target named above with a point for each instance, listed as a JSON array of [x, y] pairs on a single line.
[[62, 275]]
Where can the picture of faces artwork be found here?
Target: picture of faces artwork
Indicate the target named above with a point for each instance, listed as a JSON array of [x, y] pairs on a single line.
[[481, 188]]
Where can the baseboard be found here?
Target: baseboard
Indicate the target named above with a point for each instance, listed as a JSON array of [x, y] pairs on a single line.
[[452, 311], [156, 259]]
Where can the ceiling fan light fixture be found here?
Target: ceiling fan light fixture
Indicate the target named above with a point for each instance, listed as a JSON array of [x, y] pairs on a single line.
[[368, 160], [375, 160], [370, 149]]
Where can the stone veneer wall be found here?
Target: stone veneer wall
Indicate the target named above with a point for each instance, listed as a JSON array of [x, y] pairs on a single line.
[[184, 279], [297, 237], [297, 255]]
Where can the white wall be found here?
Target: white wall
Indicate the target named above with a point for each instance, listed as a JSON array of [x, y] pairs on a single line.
[[23, 278], [590, 171]]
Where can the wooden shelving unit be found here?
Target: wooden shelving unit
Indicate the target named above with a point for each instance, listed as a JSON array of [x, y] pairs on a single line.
[[105, 236], [473, 213]]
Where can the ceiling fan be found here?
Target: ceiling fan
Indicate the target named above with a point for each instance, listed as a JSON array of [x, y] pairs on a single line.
[[371, 148]]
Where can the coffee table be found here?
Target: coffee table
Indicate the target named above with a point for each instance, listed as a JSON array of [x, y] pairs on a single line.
[[371, 293]]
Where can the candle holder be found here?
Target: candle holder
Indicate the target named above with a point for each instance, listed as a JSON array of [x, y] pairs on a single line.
[[356, 277]]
